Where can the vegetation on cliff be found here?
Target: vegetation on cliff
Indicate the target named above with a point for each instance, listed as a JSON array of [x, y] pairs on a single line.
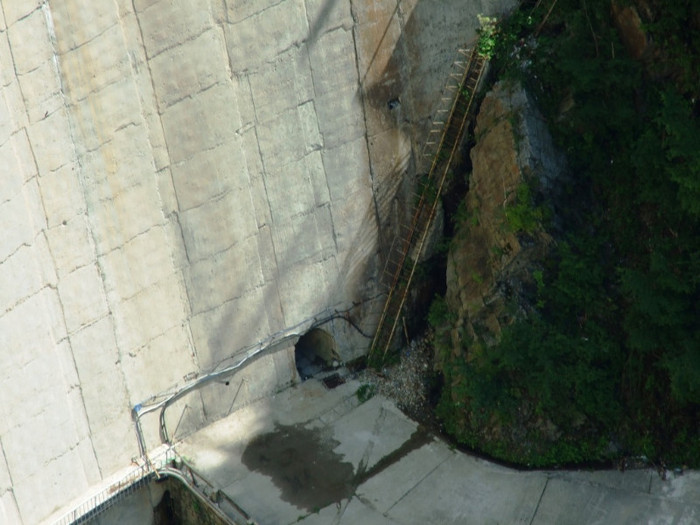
[[608, 366]]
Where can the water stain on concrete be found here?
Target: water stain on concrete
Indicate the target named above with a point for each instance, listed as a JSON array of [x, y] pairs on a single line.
[[419, 438], [301, 463]]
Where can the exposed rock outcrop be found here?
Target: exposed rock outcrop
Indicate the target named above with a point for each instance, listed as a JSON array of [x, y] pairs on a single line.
[[502, 242]]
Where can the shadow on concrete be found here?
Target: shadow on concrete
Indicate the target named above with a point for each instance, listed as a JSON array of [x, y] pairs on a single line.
[[399, 95]]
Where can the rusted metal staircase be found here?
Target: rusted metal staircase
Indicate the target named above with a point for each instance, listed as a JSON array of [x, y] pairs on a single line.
[[440, 151]]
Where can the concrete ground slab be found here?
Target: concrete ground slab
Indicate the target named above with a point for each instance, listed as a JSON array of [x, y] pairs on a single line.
[[468, 490], [318, 456], [371, 432], [574, 502], [386, 489], [347, 513]]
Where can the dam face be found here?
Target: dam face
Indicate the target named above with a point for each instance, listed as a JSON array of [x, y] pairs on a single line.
[[182, 179]]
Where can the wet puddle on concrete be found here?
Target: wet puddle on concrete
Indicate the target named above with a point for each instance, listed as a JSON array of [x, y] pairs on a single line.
[[302, 464]]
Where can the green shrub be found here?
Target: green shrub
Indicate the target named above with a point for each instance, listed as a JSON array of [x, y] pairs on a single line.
[[365, 392]]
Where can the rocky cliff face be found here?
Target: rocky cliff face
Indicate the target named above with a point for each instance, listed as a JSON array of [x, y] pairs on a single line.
[[493, 261]]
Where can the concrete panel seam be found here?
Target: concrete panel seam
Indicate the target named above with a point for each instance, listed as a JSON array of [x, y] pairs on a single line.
[[31, 149], [222, 33], [92, 237], [91, 39], [187, 96], [323, 139], [176, 216], [413, 487], [252, 14], [23, 245], [30, 13], [7, 466], [229, 65], [179, 43], [184, 292], [315, 33], [537, 507], [14, 68], [153, 91], [361, 94], [75, 370], [28, 297], [230, 300], [264, 184], [313, 95]]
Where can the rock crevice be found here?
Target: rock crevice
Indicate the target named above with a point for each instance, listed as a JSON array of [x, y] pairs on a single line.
[[502, 240]]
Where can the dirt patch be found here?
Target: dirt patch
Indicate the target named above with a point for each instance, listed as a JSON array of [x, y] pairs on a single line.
[[302, 464]]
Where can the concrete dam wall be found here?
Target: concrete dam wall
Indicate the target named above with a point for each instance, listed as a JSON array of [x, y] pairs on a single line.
[[182, 179]]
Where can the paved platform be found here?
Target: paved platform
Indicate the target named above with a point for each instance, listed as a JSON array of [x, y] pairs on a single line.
[[317, 456]]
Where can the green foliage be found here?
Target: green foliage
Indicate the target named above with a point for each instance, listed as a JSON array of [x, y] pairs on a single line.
[[674, 137], [559, 377], [439, 313], [676, 29], [488, 34], [365, 392], [523, 215], [614, 349]]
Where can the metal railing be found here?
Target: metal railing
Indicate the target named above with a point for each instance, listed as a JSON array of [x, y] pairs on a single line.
[[166, 465], [216, 499], [117, 491]]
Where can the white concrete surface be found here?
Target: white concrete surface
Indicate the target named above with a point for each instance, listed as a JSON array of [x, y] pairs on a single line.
[[180, 179], [431, 484]]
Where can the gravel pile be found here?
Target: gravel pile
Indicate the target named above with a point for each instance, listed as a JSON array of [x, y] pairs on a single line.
[[407, 383]]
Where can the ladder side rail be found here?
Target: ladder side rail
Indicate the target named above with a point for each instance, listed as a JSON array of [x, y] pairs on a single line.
[[433, 210]]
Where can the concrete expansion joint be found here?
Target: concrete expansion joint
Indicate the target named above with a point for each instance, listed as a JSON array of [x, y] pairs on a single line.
[[29, 72], [7, 470], [13, 252], [199, 152], [539, 501], [25, 299], [90, 40], [84, 325], [245, 128], [127, 241], [30, 13], [127, 125], [253, 15], [186, 40], [415, 485], [178, 223], [88, 150]]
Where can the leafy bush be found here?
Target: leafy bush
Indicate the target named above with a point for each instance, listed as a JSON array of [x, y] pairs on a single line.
[[523, 215], [365, 392], [614, 350]]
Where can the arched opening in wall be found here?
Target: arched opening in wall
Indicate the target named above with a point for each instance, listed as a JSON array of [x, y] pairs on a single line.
[[315, 352]]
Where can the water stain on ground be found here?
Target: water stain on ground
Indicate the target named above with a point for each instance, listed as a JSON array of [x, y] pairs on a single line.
[[301, 463], [310, 475]]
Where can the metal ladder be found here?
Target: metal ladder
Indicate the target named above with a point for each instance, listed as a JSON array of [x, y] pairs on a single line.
[[439, 152]]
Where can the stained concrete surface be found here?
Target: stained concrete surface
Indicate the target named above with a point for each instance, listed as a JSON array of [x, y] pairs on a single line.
[[373, 465], [302, 464], [181, 179]]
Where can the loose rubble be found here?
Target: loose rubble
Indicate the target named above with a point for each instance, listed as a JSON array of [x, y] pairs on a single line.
[[407, 382]]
